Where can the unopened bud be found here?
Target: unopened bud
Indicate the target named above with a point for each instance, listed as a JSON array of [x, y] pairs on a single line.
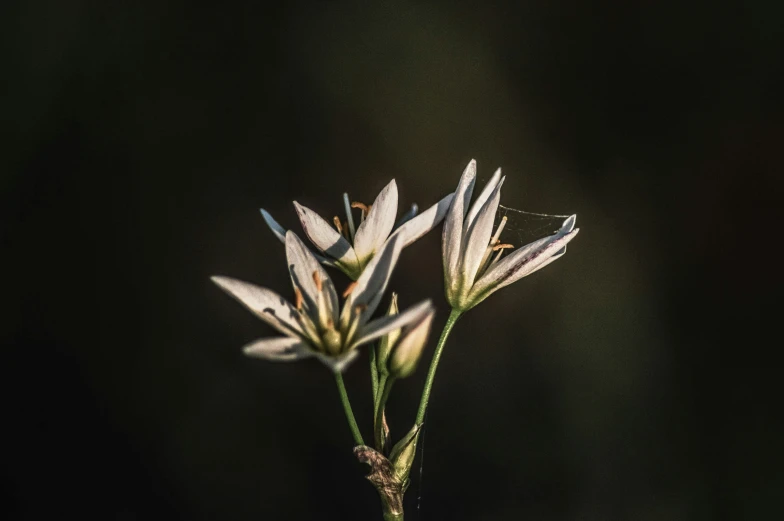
[[388, 341], [409, 348], [403, 453]]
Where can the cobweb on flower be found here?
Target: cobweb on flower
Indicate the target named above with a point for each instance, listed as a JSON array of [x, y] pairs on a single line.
[[524, 227]]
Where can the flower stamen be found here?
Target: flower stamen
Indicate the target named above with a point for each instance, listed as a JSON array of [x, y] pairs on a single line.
[[336, 221], [297, 298], [504, 246], [349, 289], [365, 208], [317, 280], [497, 234]]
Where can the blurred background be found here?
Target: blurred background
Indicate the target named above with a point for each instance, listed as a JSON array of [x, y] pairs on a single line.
[[635, 379]]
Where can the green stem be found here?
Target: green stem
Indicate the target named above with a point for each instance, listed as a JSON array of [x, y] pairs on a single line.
[[389, 516], [431, 373], [352, 422], [379, 416], [373, 372]]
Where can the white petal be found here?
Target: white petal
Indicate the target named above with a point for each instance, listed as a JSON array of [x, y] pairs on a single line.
[[418, 226], [276, 228], [373, 281], [520, 263], [326, 238], [378, 223], [284, 349], [568, 224], [453, 223], [477, 237], [302, 265], [553, 258], [339, 363], [483, 197], [383, 325], [265, 303]]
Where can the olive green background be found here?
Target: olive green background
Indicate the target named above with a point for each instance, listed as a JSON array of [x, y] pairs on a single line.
[[634, 379]]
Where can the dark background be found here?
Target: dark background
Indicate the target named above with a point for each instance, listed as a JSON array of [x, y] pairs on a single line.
[[636, 378]]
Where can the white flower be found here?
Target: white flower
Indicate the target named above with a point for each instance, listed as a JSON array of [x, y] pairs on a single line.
[[314, 325], [473, 268], [350, 249]]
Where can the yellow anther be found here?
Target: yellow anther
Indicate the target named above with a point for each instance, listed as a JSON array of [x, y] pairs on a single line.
[[349, 289], [338, 225], [502, 247], [317, 280], [362, 206], [297, 299]]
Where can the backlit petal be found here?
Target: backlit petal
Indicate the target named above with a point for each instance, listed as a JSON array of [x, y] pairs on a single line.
[[276, 228], [453, 223], [265, 303], [285, 349], [418, 226], [378, 223], [520, 263], [383, 325], [325, 237], [302, 266]]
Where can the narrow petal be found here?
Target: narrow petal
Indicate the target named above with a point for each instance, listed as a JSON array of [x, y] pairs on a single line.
[[302, 266], [373, 281], [383, 325], [483, 197], [325, 237], [418, 226], [276, 228], [266, 304], [378, 224], [284, 349], [568, 224], [520, 263], [453, 223], [478, 237], [552, 258], [339, 363]]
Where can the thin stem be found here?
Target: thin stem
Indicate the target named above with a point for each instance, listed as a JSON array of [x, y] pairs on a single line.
[[382, 382], [352, 423], [379, 416], [431, 373], [373, 372]]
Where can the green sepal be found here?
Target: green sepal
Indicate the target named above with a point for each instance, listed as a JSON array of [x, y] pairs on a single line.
[[403, 453]]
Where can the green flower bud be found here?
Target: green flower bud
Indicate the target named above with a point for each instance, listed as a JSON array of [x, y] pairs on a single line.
[[408, 351], [402, 455]]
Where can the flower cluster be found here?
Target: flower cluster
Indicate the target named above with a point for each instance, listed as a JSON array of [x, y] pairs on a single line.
[[316, 325]]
